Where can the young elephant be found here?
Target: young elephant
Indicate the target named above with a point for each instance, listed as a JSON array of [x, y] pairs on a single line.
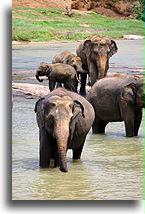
[[69, 58], [118, 98], [58, 73], [64, 118]]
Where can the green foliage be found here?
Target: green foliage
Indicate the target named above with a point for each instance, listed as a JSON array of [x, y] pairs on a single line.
[[138, 10], [25, 14], [43, 24]]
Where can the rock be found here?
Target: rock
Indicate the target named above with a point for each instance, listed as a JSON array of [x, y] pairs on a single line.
[[133, 37], [28, 90]]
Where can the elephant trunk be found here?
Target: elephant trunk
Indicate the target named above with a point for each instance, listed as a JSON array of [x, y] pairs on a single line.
[[102, 64], [37, 77], [62, 134], [62, 158]]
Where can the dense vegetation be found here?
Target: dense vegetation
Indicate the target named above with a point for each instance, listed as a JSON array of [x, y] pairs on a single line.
[[138, 10], [41, 24]]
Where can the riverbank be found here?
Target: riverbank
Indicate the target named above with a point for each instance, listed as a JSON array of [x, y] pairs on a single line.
[[46, 24], [41, 43], [29, 91], [125, 37]]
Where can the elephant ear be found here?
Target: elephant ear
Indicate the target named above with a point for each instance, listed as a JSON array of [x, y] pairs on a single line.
[[87, 47], [48, 69], [113, 48], [128, 93], [78, 109], [39, 110], [96, 47], [37, 104], [68, 59]]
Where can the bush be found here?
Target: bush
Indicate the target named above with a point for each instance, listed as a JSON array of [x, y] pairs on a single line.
[[138, 10]]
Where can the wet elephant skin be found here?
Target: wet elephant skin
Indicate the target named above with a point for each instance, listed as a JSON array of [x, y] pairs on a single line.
[[64, 118]]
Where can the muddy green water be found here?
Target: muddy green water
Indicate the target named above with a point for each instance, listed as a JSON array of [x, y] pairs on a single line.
[[111, 166]]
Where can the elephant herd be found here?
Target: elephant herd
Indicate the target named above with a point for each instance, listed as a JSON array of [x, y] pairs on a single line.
[[65, 117]]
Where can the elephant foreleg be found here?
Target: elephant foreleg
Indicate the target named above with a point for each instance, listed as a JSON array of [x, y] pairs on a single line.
[[89, 81], [95, 126], [75, 85], [59, 85], [83, 84], [70, 85], [102, 126], [98, 126], [138, 118], [67, 86], [44, 149], [54, 151], [56, 162], [129, 121], [77, 152], [51, 84]]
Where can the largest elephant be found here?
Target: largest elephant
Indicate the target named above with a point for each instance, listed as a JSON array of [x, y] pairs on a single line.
[[95, 52], [118, 98], [64, 118]]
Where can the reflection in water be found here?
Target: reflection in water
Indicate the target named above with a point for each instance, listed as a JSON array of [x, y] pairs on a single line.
[[111, 166]]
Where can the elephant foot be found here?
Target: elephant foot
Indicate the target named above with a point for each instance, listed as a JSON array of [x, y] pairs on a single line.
[[43, 164], [83, 94], [82, 91], [96, 131], [63, 169], [130, 135], [98, 126], [56, 164]]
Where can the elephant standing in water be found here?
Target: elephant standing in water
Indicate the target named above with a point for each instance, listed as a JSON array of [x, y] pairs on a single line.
[[118, 98], [58, 73], [64, 118], [95, 53], [69, 58]]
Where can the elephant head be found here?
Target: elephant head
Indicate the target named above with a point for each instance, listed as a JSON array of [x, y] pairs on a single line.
[[43, 70], [134, 93], [75, 62], [98, 51], [59, 118]]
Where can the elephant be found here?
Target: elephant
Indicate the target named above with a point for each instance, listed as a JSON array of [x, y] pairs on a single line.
[[117, 98], [95, 52], [69, 58], [64, 118], [58, 73]]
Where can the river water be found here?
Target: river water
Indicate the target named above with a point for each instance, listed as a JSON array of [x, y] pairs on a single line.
[[111, 166]]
